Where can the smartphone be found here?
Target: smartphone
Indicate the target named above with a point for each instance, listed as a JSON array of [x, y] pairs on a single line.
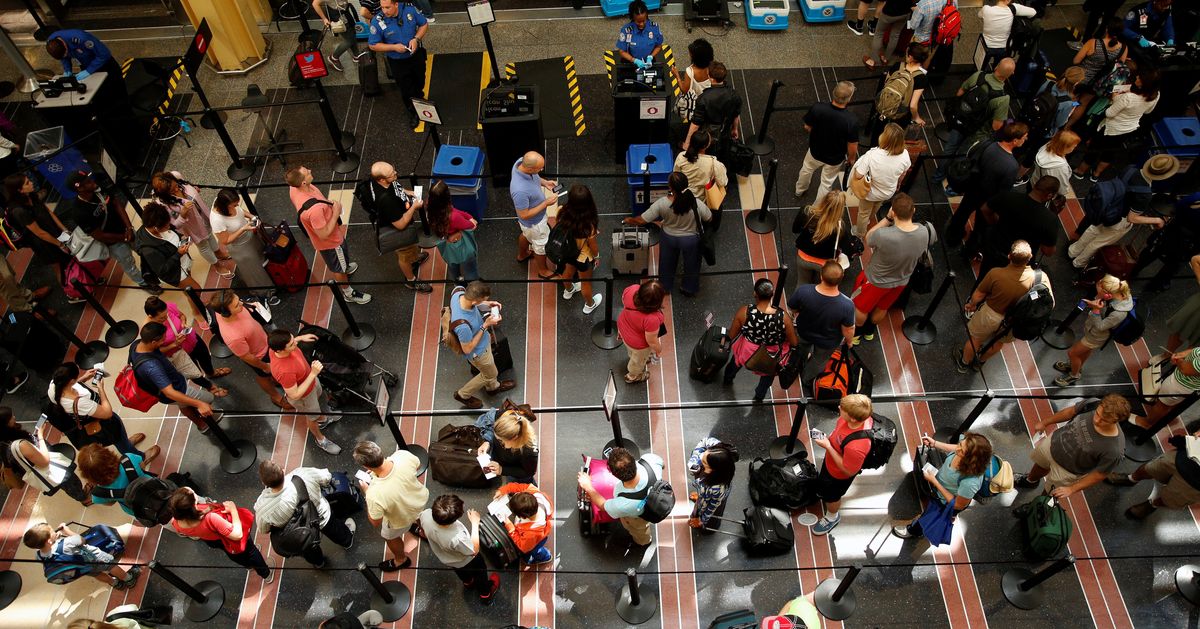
[[418, 192], [40, 422], [929, 468], [560, 191], [816, 433], [185, 241], [186, 331], [495, 312]]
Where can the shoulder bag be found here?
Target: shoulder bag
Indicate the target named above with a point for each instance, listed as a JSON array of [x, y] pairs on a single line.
[[62, 466], [714, 193], [91, 428], [708, 245], [181, 360], [921, 280], [860, 185]]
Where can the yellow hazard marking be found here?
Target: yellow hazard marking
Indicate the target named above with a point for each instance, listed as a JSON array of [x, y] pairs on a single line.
[[510, 71], [485, 77], [573, 93], [425, 90], [669, 57]]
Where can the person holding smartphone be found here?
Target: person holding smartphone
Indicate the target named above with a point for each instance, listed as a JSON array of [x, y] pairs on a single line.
[[165, 253], [88, 415], [32, 462], [958, 480], [237, 230]]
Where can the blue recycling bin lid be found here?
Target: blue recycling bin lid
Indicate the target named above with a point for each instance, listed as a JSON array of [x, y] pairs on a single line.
[[459, 166], [660, 166], [1182, 134]]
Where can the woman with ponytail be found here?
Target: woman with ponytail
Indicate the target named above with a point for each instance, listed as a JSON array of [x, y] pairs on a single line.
[[702, 170], [680, 214], [1111, 306], [511, 442], [88, 416]]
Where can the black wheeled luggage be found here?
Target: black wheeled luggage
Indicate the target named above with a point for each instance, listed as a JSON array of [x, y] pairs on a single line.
[[368, 74], [710, 355], [494, 541], [765, 531]]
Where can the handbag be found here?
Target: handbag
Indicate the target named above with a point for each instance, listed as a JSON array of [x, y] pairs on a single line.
[[937, 522], [714, 193], [789, 371], [859, 186], [389, 239], [183, 362], [708, 248], [62, 466], [459, 251], [91, 428], [921, 280], [85, 248], [842, 259], [764, 361]]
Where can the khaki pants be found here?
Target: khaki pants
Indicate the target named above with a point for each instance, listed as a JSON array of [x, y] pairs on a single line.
[[16, 296], [829, 175], [862, 220], [638, 358], [485, 379], [639, 530], [1173, 491], [1093, 239]]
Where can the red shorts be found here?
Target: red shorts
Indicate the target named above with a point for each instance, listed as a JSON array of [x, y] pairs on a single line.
[[868, 297]]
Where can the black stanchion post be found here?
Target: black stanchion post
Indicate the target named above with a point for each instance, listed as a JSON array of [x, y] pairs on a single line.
[[237, 455], [780, 286], [763, 145], [359, 336], [239, 169], [391, 599], [782, 447], [10, 587], [655, 230], [130, 197], [247, 199], [982, 404], [86, 354], [206, 598], [834, 598], [216, 345], [427, 239], [763, 221], [1138, 443], [1020, 585], [604, 333], [1058, 334], [619, 440], [119, 333], [920, 329], [1187, 581], [421, 453], [343, 141], [634, 605]]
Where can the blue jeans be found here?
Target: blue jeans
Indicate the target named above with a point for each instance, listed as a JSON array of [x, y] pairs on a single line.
[[760, 390], [123, 253], [953, 142], [468, 270], [669, 250], [424, 6], [538, 554], [121, 436]]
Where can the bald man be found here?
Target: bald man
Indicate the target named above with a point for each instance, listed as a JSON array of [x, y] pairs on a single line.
[[531, 203], [396, 207], [965, 133]]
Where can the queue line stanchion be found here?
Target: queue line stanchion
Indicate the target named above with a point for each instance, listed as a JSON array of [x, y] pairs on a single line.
[[247, 199], [10, 587], [1020, 585], [86, 354], [763, 221], [635, 605], [119, 333], [614, 420], [604, 333], [982, 404], [763, 145], [1187, 582], [216, 345], [1058, 334], [206, 598], [237, 455], [427, 240], [782, 447], [401, 443], [780, 285], [1138, 443], [360, 336], [653, 228], [343, 140], [391, 599], [834, 598], [920, 329]]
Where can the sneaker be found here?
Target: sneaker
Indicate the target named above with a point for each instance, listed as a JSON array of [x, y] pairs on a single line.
[[335, 64], [570, 292], [359, 298], [959, 365], [153, 289], [869, 337], [871, 24], [540, 557], [362, 54], [951, 192], [1062, 366], [487, 599], [1022, 481], [391, 566], [1076, 175], [1094, 178], [1140, 511], [1075, 45], [328, 421], [20, 382], [825, 525], [855, 26], [856, 341], [1021, 181], [420, 287], [902, 532], [1119, 479], [352, 269], [329, 446], [270, 578], [430, 19], [1066, 380], [420, 260], [76, 300], [353, 526], [591, 307]]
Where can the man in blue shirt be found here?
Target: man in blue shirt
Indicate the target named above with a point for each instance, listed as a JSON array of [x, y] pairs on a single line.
[[1150, 24], [156, 375], [398, 31], [471, 326], [640, 39], [530, 202], [73, 44], [629, 497]]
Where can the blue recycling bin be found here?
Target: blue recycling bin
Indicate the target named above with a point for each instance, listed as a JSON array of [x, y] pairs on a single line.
[[461, 167], [1181, 136], [659, 162], [40, 147], [614, 8]]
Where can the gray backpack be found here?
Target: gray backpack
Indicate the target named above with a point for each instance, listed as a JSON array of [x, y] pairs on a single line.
[[657, 497]]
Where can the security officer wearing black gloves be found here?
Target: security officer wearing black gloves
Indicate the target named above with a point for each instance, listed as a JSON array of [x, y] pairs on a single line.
[[1150, 24], [72, 44], [640, 40], [397, 30]]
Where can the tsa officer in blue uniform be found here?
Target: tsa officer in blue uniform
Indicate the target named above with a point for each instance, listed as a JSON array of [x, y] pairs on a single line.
[[640, 39], [1150, 24], [397, 30], [73, 44]]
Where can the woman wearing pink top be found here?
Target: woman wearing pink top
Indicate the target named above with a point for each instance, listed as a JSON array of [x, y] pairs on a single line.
[[189, 217], [183, 346]]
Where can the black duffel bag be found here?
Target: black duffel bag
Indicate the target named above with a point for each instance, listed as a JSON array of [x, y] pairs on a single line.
[[453, 458]]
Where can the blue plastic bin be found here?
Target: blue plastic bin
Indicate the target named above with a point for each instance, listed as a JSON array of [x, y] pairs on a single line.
[[40, 144], [659, 162], [461, 167], [1182, 135], [820, 11], [613, 8]]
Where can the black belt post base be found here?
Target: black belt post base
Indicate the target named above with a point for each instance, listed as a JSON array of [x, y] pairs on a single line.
[[1187, 581], [834, 598], [86, 354], [763, 221], [604, 333], [10, 587], [205, 599], [237, 455], [783, 447], [360, 336], [119, 333], [421, 453], [635, 605], [1020, 585], [1058, 334], [920, 329], [391, 599]]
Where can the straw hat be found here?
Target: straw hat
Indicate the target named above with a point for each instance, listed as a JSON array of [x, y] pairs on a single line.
[[1160, 167]]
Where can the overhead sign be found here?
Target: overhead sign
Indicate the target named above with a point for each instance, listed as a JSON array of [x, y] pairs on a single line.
[[195, 53], [653, 109], [426, 111], [311, 65]]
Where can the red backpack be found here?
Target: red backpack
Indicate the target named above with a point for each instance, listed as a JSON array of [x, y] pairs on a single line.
[[129, 392], [949, 25]]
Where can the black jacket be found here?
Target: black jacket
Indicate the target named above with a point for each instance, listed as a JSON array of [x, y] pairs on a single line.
[[159, 257]]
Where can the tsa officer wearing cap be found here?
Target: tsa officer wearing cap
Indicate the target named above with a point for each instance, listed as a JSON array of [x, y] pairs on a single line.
[[79, 45], [397, 30], [640, 40]]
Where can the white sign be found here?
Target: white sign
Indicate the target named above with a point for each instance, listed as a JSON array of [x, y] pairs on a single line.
[[653, 109], [480, 12], [426, 111], [610, 396]]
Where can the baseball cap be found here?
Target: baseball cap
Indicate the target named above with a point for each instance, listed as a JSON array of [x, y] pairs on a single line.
[[77, 177]]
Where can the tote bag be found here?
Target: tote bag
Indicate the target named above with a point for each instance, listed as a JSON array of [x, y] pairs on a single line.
[[458, 252]]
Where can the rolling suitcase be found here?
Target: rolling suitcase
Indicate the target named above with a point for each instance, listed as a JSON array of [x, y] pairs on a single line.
[[494, 540], [740, 619], [765, 531], [593, 521], [631, 251], [368, 74], [278, 241], [710, 355], [344, 497], [292, 273], [1117, 260]]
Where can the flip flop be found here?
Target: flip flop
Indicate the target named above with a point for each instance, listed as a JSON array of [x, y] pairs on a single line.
[[219, 392], [220, 372], [525, 259], [869, 62]]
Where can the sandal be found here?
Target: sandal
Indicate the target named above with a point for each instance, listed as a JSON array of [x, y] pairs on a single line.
[[525, 259], [220, 372], [869, 62], [218, 392]]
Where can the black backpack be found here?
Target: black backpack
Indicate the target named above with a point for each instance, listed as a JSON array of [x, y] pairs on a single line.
[[970, 111], [560, 247], [364, 191], [1024, 35], [146, 495], [303, 530], [1132, 327], [966, 172], [1040, 111], [1028, 317], [658, 496], [788, 483], [883, 436]]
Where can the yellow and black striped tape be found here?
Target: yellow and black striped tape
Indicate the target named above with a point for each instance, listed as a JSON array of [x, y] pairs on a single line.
[[610, 59], [172, 83], [510, 71], [669, 57], [573, 95]]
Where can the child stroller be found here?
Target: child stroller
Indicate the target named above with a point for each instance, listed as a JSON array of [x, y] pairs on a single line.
[[347, 377]]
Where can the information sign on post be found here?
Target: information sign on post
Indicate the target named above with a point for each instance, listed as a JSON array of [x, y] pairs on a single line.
[[653, 109], [311, 65], [195, 52], [426, 111], [480, 12]]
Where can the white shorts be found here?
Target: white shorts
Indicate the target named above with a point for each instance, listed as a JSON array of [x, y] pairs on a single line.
[[1172, 387], [387, 532], [537, 236]]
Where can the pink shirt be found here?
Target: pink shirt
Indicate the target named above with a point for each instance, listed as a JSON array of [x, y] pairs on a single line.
[[319, 216], [243, 334], [633, 324], [175, 322], [460, 221], [195, 225]]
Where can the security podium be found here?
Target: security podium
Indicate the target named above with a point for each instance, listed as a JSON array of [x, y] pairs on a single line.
[[641, 99]]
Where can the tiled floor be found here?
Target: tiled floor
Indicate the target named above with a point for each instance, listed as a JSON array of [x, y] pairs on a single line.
[[1124, 573]]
